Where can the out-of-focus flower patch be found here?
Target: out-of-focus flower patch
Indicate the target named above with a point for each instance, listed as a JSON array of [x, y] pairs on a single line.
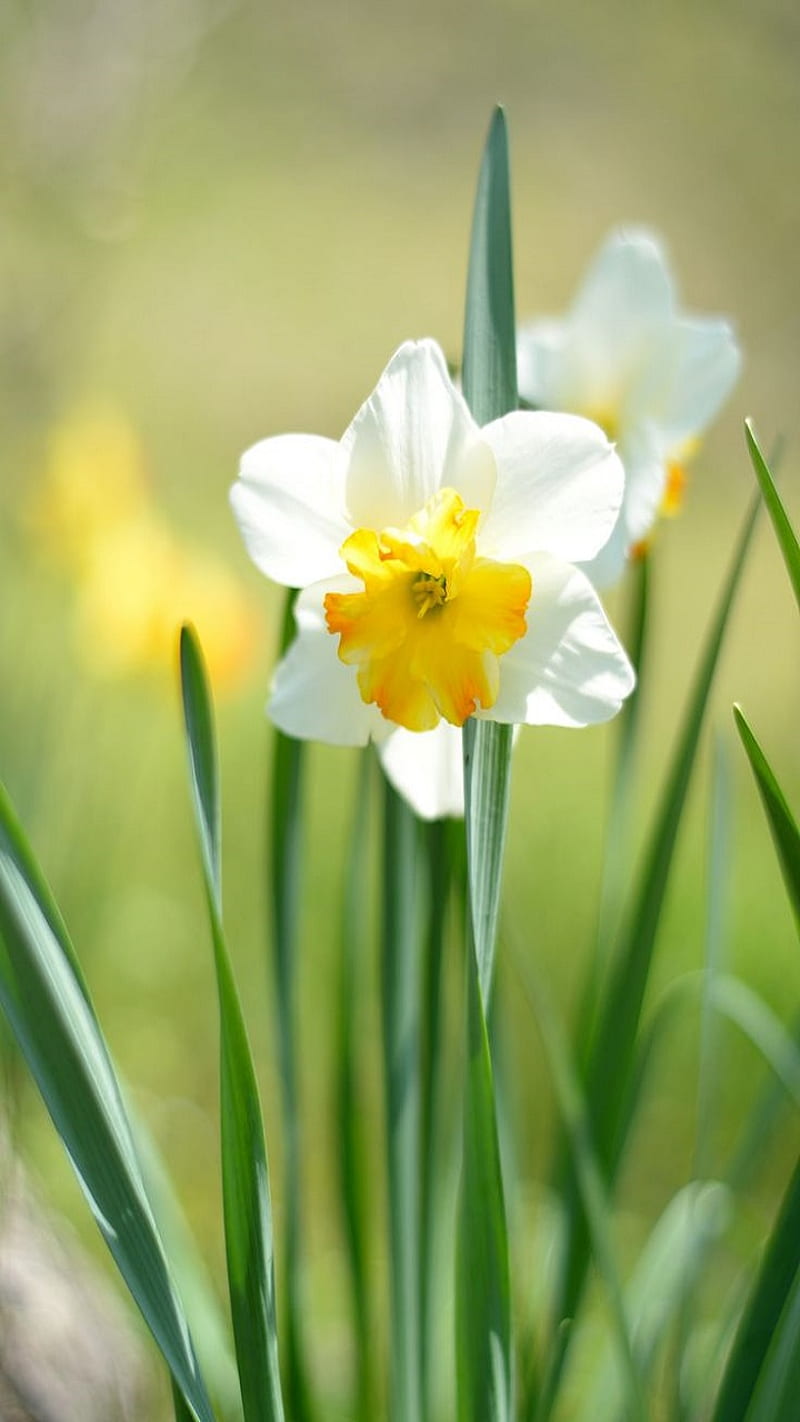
[[94, 518]]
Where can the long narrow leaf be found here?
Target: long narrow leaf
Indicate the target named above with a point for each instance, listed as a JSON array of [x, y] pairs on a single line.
[[782, 823], [285, 859], [352, 1172], [400, 989], [593, 1192], [772, 1288], [787, 538], [245, 1180], [778, 1390], [611, 1061], [483, 1326], [483, 1304], [47, 1005]]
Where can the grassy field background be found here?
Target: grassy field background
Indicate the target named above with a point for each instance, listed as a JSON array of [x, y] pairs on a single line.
[[220, 221]]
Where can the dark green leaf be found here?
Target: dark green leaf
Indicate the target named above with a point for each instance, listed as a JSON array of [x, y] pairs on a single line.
[[787, 538], [768, 1297], [47, 1005], [781, 821], [245, 1179]]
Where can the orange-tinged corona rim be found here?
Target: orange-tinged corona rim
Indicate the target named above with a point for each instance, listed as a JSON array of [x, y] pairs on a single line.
[[426, 633]]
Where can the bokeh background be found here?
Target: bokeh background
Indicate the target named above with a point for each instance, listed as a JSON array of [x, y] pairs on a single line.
[[220, 219]]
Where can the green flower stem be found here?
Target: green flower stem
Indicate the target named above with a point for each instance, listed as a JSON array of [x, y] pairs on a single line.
[[286, 826], [400, 990], [352, 1182]]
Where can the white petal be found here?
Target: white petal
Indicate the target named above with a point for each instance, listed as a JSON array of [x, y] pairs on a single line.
[[622, 315], [413, 436], [559, 487], [289, 504], [568, 669], [426, 768], [645, 480], [706, 364], [314, 696], [542, 363]]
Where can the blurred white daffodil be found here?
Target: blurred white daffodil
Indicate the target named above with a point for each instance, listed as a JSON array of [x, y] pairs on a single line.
[[436, 566], [651, 377]]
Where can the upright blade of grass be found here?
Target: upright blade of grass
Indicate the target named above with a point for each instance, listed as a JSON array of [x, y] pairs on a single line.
[[773, 1287], [787, 538], [782, 823], [352, 1178], [611, 1058], [245, 1177], [483, 1302], [616, 846], [717, 879], [489, 373], [483, 1312], [285, 857], [593, 1192], [439, 858], [45, 999], [400, 991]]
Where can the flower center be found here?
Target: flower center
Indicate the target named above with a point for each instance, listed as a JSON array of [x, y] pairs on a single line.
[[426, 632], [429, 591]]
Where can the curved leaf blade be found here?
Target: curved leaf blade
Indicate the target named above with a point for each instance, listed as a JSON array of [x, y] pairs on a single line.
[[787, 538], [47, 1005], [782, 823]]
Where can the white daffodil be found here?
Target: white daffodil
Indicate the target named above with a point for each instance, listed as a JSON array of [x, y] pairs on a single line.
[[651, 377], [436, 566]]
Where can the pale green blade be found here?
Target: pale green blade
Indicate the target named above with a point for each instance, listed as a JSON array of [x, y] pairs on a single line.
[[782, 823], [489, 374], [667, 1270], [787, 538], [483, 1310], [285, 862], [400, 994], [483, 1296], [245, 1178], [48, 1008], [352, 1158]]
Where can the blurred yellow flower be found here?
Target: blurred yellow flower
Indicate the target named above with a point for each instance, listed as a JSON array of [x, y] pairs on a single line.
[[94, 517], [94, 481]]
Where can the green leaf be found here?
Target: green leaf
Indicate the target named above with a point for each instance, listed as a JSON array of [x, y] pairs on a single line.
[[483, 1322], [351, 1160], [489, 374], [46, 1002], [592, 1188], [487, 783], [285, 862], [611, 1061], [778, 1388], [666, 1272], [483, 1295], [781, 821], [400, 999], [775, 1284], [787, 538], [245, 1179]]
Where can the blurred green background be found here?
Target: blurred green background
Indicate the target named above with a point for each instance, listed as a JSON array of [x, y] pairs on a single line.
[[220, 220]]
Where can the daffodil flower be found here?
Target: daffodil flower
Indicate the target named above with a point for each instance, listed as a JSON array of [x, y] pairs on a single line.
[[436, 564], [651, 377]]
